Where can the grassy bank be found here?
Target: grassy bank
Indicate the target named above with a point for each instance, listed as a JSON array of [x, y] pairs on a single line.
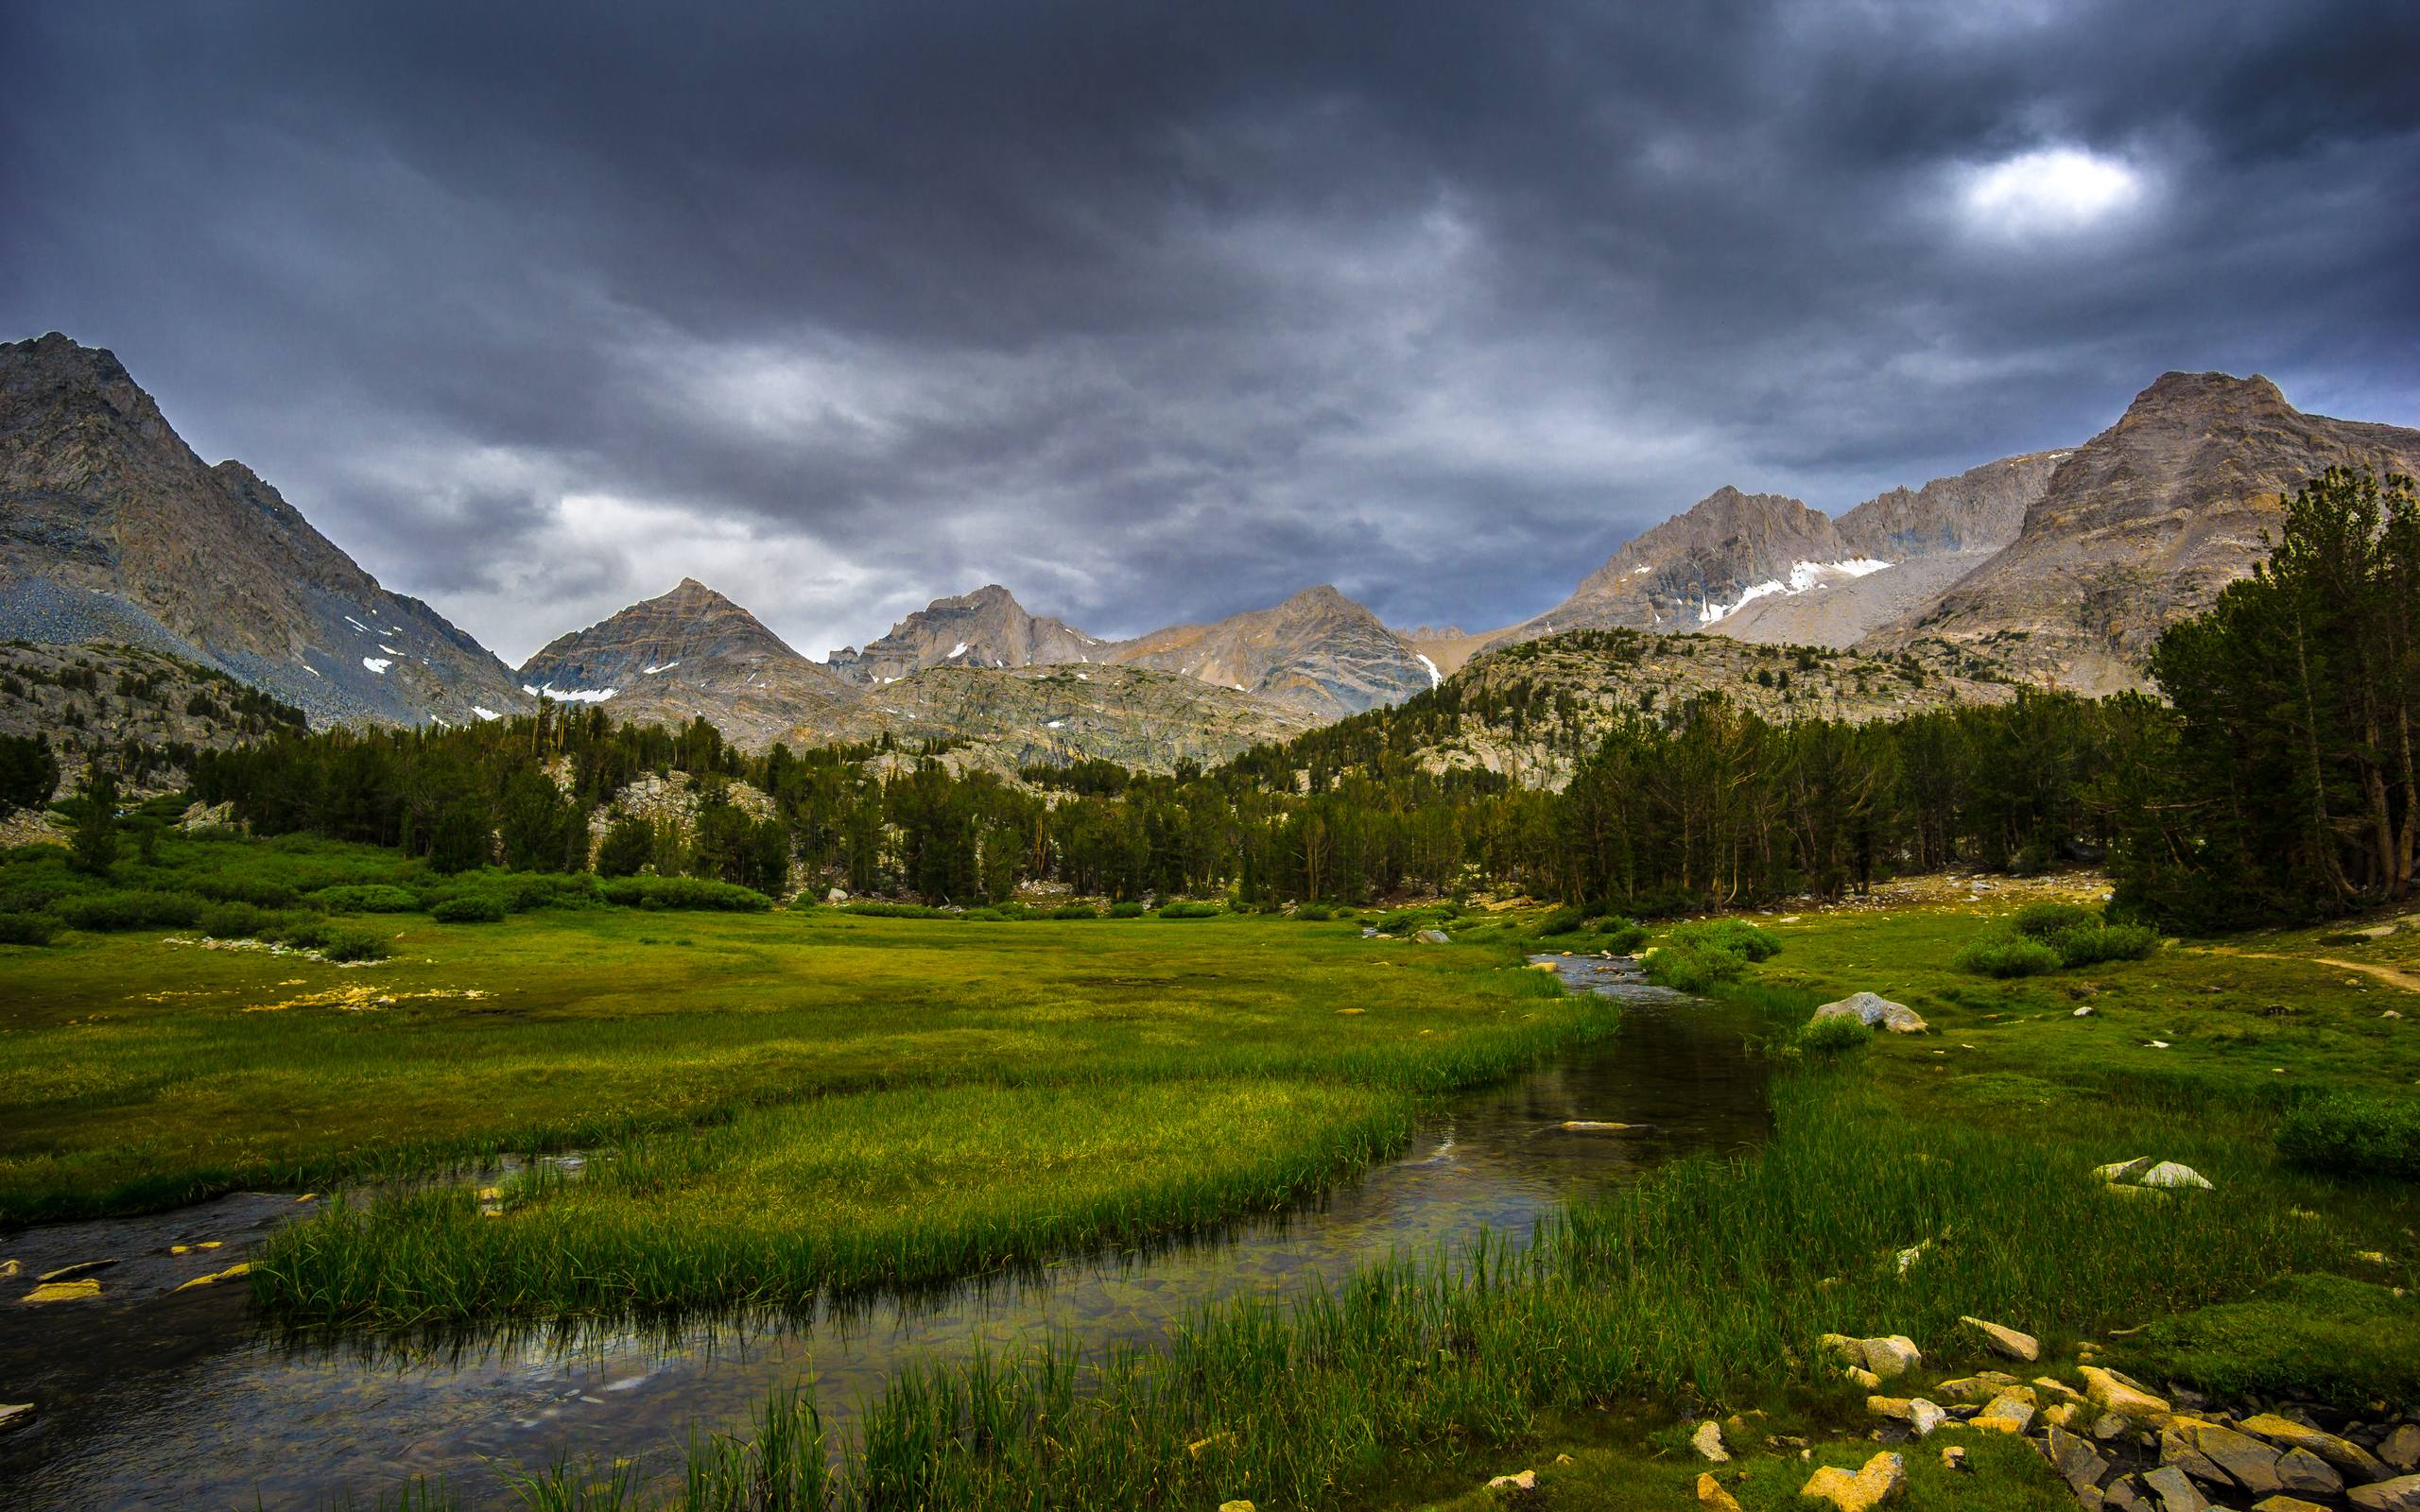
[[1701, 1289]]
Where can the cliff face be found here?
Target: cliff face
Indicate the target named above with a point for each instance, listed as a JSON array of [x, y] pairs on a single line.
[[685, 653], [2143, 525], [112, 530]]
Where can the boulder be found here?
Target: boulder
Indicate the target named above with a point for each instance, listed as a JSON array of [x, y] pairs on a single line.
[[2355, 1462], [2286, 1503], [2168, 1173], [1883, 1477], [1876, 1012], [2006, 1342], [1518, 1481], [2077, 1463], [2123, 1495], [2117, 1171], [836, 896], [1887, 1358], [2402, 1494], [2015, 1406], [1712, 1497], [1432, 936], [2056, 1391], [1708, 1441]]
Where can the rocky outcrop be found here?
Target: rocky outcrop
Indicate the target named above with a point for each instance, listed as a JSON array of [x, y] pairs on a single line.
[[90, 701], [686, 652], [2142, 526], [111, 531], [984, 628]]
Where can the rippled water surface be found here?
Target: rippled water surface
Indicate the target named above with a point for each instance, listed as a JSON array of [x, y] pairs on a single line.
[[155, 1399]]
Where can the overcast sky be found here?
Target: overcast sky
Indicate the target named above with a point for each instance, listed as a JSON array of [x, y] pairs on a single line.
[[1157, 313]]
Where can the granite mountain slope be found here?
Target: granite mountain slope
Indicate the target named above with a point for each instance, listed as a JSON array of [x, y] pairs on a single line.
[[111, 531]]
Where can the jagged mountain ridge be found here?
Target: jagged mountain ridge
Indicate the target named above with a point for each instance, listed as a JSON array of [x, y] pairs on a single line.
[[2143, 525], [1319, 653], [112, 530], [1766, 567]]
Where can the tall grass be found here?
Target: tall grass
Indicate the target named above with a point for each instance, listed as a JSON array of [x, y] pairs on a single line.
[[1704, 1284]]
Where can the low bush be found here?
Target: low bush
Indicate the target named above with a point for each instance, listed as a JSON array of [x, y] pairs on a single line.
[[25, 929], [883, 910], [1314, 914], [1737, 935], [1190, 910], [236, 921], [1621, 936], [1687, 967], [2007, 955], [1129, 909], [237, 887], [694, 893], [2043, 920], [131, 909], [355, 945], [374, 898], [469, 908], [2090, 944], [2350, 1134], [1563, 920], [1829, 1036], [306, 933], [1075, 911]]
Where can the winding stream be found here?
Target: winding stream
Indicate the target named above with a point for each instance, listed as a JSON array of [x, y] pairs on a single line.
[[162, 1399]]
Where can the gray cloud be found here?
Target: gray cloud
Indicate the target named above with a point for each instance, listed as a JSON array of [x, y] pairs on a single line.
[[1157, 313]]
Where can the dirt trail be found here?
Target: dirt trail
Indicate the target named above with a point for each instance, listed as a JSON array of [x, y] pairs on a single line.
[[2392, 976]]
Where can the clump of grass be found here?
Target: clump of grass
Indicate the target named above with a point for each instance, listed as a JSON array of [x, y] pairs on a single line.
[[2354, 1134], [2007, 955], [1829, 1036]]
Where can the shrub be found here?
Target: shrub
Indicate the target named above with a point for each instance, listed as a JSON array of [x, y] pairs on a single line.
[[130, 909], [469, 908], [260, 892], [355, 945], [2092, 943], [2006, 956], [1622, 937], [982, 915], [1828, 1036], [371, 897], [2349, 1134], [1685, 966], [1075, 911], [1314, 914], [695, 893], [236, 921], [882, 910], [1737, 935], [1563, 920], [25, 929], [306, 934], [2045, 920], [1129, 909], [1190, 910]]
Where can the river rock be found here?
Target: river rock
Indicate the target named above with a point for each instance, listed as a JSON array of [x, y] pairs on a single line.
[[2111, 1395], [1874, 1011], [2355, 1462], [2175, 1494], [1708, 1441], [1882, 1478], [2299, 1469], [2236, 1458], [2006, 1341], [1712, 1497], [2400, 1449], [2402, 1494]]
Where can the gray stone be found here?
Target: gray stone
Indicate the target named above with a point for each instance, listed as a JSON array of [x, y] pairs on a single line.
[[2121, 1494], [2006, 1341], [2250, 1463], [1875, 1011], [2355, 1462], [2175, 1494], [2075, 1460], [2177, 1453], [1432, 936], [2402, 1494], [1708, 1441], [2168, 1173], [2401, 1448], [2304, 1473]]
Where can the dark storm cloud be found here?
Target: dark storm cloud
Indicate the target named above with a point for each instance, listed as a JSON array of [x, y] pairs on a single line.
[[1160, 312]]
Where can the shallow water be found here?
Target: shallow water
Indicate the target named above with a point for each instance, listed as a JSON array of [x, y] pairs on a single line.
[[153, 1398]]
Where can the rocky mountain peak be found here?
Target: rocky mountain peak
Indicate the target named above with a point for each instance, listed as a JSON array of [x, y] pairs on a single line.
[[987, 627]]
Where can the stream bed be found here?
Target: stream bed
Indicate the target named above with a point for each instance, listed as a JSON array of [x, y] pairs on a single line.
[[157, 1397]]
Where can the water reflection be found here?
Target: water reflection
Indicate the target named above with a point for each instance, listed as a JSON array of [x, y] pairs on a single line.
[[177, 1400]]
